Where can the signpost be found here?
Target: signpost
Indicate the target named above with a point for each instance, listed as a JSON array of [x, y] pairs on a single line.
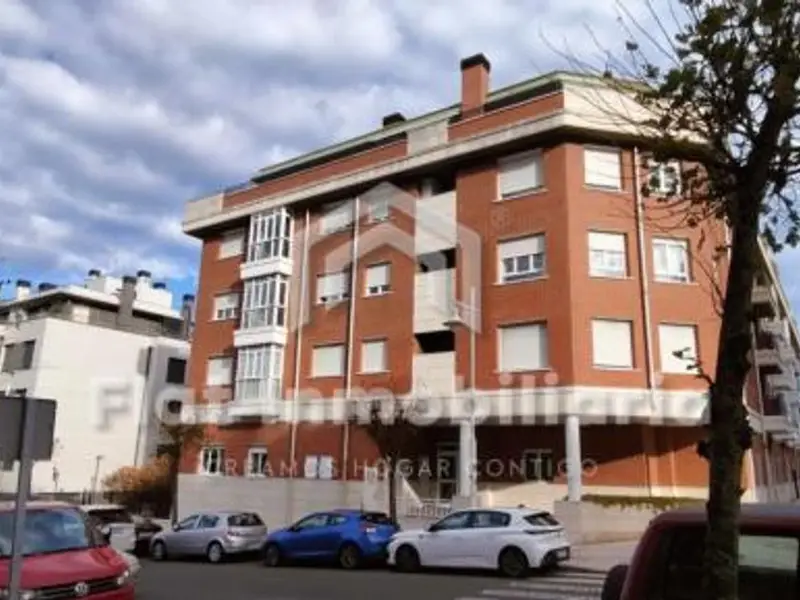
[[26, 435]]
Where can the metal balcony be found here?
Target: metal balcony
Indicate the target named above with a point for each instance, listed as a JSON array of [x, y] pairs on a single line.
[[765, 302]]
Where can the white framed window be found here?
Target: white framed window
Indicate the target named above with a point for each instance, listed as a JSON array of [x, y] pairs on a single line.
[[270, 235], [259, 371], [231, 244], [333, 287], [336, 216], [219, 371], [377, 280], [328, 361], [674, 338], [318, 466], [226, 306], [378, 208], [522, 258], [373, 356], [664, 179], [212, 461], [607, 254], [257, 461], [264, 301], [520, 173], [602, 167], [671, 260], [522, 347], [612, 344]]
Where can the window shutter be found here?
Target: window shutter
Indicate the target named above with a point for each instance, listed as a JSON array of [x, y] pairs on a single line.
[[310, 467], [325, 467], [520, 172], [373, 356], [673, 338], [522, 246], [612, 344], [610, 242], [231, 245], [219, 371], [328, 361], [602, 167], [523, 347]]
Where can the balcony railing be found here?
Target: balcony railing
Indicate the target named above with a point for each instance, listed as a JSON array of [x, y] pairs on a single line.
[[434, 294], [434, 374]]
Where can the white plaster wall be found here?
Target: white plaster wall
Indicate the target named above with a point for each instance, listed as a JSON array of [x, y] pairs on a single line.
[[89, 370]]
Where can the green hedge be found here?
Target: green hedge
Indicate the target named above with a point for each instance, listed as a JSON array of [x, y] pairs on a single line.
[[641, 502]]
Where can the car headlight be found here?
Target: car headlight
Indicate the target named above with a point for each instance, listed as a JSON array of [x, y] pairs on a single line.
[[23, 594], [124, 579]]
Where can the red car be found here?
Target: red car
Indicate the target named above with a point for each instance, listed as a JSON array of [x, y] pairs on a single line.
[[65, 556]]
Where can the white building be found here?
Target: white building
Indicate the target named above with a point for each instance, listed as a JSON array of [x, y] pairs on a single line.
[[111, 353]]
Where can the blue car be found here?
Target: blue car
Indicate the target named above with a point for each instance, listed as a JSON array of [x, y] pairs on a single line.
[[349, 537]]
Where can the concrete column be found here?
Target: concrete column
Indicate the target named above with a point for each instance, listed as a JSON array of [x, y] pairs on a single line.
[[465, 440], [572, 432]]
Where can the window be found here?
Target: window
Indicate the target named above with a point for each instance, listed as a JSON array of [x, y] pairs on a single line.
[[520, 173], [377, 282], [328, 361], [607, 254], [664, 178], [259, 371], [612, 344], [333, 287], [9, 358], [373, 356], [523, 347], [270, 235], [459, 520], [542, 519], [208, 522], [231, 244], [671, 260], [490, 518], [767, 566], [522, 258], [226, 306], [676, 338], [212, 461], [312, 522], [318, 467], [176, 371], [336, 216], [257, 464], [245, 520], [219, 371], [187, 523], [264, 302], [26, 355], [602, 168]]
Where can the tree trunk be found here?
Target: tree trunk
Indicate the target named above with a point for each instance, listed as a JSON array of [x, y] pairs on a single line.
[[174, 467], [729, 416], [391, 477]]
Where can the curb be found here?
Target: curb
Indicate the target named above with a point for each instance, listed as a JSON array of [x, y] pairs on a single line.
[[590, 570]]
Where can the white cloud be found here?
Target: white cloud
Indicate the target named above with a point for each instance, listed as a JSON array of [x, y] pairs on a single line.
[[115, 113]]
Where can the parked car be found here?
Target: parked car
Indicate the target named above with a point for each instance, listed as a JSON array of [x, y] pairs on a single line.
[[214, 535], [349, 537], [64, 554], [512, 541], [115, 521], [668, 560], [146, 528]]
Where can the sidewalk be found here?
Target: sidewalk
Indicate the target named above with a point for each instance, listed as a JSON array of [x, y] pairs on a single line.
[[601, 557]]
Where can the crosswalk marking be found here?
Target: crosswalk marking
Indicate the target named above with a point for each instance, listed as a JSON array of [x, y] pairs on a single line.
[[562, 585]]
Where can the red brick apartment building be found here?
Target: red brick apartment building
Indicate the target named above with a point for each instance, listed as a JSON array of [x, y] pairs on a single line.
[[519, 211]]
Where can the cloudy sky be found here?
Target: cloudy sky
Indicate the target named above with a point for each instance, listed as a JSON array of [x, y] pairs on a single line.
[[113, 113]]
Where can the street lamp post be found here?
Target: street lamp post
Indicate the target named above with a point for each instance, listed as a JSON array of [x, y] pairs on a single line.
[[456, 321]]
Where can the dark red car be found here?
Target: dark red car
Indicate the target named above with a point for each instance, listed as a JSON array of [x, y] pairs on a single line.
[[65, 556]]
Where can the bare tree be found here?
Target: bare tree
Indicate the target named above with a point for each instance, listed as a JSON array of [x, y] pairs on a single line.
[[391, 424], [179, 438], [722, 95]]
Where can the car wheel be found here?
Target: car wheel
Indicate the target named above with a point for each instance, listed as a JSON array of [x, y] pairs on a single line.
[[158, 551], [512, 562], [615, 580], [215, 554], [272, 555], [349, 557], [406, 559]]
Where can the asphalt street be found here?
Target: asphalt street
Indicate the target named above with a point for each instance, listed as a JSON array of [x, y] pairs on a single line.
[[243, 580]]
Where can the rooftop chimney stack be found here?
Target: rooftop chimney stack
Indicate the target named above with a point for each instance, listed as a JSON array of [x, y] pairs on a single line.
[[127, 296], [23, 289], [187, 316], [94, 273], [474, 84], [393, 119], [144, 279]]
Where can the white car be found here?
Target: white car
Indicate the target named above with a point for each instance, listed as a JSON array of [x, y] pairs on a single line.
[[511, 540], [115, 521]]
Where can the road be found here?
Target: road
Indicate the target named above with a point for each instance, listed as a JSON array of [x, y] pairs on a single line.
[[243, 580]]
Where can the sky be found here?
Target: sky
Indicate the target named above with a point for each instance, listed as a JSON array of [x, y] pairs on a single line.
[[113, 114]]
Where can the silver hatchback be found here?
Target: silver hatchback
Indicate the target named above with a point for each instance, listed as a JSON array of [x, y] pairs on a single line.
[[214, 535]]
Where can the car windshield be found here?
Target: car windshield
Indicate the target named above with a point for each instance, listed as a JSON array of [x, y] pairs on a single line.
[[47, 530], [245, 520], [107, 516]]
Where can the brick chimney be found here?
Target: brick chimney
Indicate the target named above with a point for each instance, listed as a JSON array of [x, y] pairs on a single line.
[[127, 295], [474, 84], [187, 316]]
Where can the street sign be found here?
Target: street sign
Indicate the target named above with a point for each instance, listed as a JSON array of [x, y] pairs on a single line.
[[11, 428]]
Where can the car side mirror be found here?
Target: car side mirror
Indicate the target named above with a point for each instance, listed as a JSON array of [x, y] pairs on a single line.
[[614, 582], [433, 528]]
